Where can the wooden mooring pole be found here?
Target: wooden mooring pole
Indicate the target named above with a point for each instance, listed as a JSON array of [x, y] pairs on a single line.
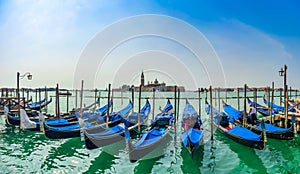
[[245, 107], [153, 103], [238, 98], [132, 98], [40, 95], [95, 94], [112, 99], [215, 99], [46, 97], [57, 101], [271, 108], [76, 96], [122, 97], [175, 104], [36, 95], [67, 101], [81, 98], [255, 98], [139, 115], [178, 102], [219, 100], [108, 100], [226, 95], [280, 97], [199, 102], [211, 116]]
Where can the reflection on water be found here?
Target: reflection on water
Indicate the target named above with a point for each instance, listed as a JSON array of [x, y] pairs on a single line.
[[145, 166], [102, 163], [281, 156], [249, 160], [192, 164]]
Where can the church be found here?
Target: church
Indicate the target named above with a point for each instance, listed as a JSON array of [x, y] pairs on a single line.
[[162, 87]]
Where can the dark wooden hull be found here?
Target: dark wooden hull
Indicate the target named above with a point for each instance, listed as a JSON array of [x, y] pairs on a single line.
[[16, 121], [40, 106], [63, 124], [253, 144], [250, 143], [262, 113], [96, 129], [138, 153], [192, 148], [12, 120], [60, 134], [96, 142], [288, 135]]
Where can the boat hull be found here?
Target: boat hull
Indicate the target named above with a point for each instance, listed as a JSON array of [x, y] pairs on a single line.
[[60, 134], [93, 143], [253, 144], [138, 153], [288, 135], [191, 147]]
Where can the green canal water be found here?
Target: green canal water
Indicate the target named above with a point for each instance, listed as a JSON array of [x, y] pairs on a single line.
[[23, 151]]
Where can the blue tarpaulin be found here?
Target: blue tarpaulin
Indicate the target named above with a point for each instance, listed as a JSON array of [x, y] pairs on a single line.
[[272, 128], [244, 133], [149, 137], [235, 114], [193, 134]]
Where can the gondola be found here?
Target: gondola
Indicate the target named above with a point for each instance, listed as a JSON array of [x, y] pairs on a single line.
[[14, 104], [192, 137], [277, 107], [271, 130], [33, 123], [60, 132], [236, 132], [262, 109], [14, 119], [117, 132], [50, 120], [39, 105], [154, 136]]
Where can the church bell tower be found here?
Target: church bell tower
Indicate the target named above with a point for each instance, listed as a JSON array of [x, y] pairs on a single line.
[[142, 79]]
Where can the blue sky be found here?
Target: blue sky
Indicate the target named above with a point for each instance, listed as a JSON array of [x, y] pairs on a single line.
[[252, 41]]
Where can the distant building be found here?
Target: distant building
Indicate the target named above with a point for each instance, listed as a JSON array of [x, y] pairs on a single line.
[[156, 86], [142, 79]]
